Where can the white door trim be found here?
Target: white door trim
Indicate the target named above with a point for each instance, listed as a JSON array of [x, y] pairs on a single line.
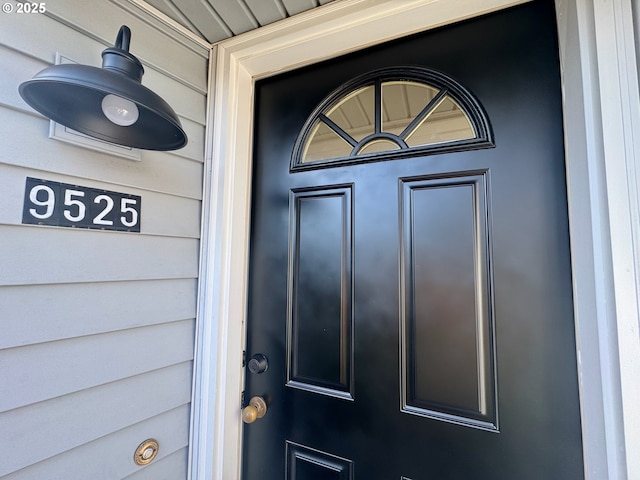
[[620, 105], [347, 25]]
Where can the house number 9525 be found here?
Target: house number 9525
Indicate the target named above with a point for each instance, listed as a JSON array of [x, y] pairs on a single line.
[[63, 205]]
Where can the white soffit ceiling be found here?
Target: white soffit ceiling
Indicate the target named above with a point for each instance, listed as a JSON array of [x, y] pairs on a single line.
[[215, 20]]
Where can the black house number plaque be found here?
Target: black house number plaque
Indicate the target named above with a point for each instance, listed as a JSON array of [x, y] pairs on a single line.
[[63, 205]]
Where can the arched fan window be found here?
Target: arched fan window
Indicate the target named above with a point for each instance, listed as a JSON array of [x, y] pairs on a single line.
[[391, 113]]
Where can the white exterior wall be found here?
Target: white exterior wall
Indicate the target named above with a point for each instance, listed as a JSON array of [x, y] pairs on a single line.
[[97, 327]]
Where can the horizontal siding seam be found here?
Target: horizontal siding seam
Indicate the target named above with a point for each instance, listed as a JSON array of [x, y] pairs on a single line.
[[106, 232], [195, 277], [24, 110], [98, 282], [202, 123], [153, 416], [102, 332], [176, 153], [185, 156], [98, 180], [100, 385], [47, 61]]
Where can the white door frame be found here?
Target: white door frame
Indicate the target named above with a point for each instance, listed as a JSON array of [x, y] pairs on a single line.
[[601, 147]]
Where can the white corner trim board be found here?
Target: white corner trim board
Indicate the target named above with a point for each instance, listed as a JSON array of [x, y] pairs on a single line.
[[620, 104]]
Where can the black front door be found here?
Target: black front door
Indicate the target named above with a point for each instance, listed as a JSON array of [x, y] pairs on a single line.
[[416, 312]]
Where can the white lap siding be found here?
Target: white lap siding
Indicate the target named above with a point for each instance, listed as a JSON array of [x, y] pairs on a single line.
[[96, 326]]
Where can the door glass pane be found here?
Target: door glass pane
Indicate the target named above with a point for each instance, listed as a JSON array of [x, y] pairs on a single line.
[[355, 113], [402, 101], [324, 143], [445, 123], [379, 145]]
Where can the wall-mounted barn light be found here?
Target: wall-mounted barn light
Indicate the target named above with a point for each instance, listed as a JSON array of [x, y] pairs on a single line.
[[108, 103]]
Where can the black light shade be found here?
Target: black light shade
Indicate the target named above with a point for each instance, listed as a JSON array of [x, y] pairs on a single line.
[[73, 95]]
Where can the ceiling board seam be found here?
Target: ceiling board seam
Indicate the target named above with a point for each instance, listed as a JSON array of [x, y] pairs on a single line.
[[249, 13], [189, 24], [145, 10], [293, 23], [281, 8], [218, 17]]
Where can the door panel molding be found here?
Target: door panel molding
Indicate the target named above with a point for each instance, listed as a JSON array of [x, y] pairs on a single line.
[[328, 250], [437, 251], [308, 462], [336, 29]]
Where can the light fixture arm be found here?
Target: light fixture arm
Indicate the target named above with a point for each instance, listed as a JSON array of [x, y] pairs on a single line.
[[124, 38], [118, 59]]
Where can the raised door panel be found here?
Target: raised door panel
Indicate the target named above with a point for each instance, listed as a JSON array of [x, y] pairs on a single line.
[[319, 338], [448, 345]]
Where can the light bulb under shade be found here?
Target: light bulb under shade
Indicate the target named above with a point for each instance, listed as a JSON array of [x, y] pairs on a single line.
[[119, 110]]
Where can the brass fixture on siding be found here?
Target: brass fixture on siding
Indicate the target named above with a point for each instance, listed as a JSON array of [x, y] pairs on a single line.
[[146, 452]]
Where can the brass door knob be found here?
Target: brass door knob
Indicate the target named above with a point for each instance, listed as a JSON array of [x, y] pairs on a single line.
[[256, 409]]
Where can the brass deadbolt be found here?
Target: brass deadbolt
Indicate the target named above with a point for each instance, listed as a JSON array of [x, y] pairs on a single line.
[[146, 452]]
